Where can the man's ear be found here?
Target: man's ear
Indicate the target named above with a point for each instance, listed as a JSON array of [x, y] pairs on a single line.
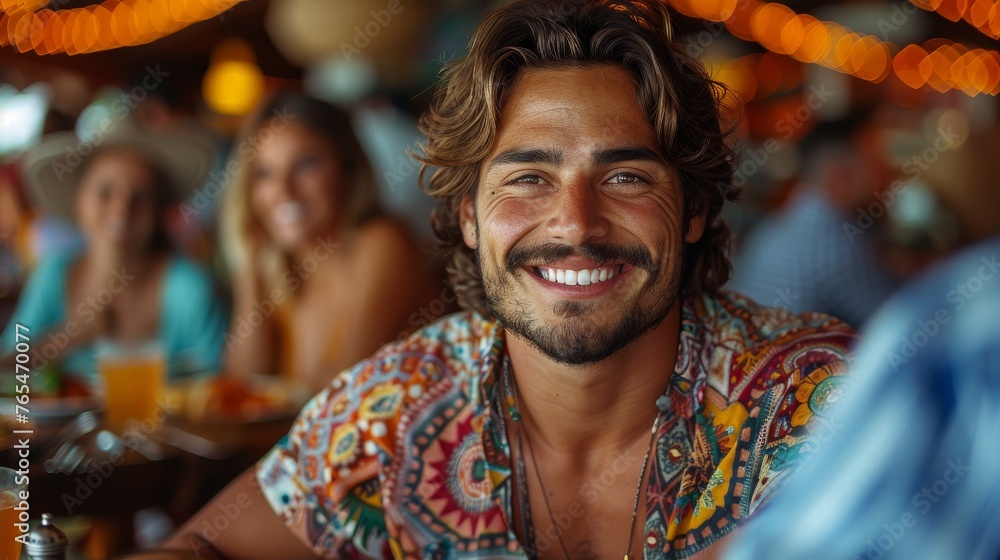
[[467, 219], [696, 227]]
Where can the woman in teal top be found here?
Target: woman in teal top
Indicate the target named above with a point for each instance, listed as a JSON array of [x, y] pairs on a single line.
[[191, 327], [126, 284]]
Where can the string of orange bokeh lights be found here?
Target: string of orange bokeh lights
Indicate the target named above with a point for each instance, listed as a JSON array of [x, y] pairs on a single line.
[[984, 15], [938, 64], [108, 25]]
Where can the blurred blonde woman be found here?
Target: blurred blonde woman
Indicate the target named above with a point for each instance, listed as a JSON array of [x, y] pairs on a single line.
[[321, 277]]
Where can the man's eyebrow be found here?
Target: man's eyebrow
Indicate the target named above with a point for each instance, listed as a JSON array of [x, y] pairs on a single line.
[[517, 155], [631, 153]]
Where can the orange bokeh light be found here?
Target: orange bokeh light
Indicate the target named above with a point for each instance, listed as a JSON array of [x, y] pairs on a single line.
[[907, 65], [102, 22], [53, 33], [767, 23], [714, 10], [69, 24], [816, 43], [120, 27], [952, 9], [793, 33], [159, 15]]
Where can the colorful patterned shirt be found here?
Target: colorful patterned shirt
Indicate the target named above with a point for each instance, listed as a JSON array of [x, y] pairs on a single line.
[[404, 456]]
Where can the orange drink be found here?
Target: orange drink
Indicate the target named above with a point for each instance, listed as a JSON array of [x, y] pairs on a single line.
[[10, 548], [133, 380]]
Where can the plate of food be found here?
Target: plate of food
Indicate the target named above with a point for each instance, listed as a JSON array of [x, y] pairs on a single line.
[[229, 398], [51, 396]]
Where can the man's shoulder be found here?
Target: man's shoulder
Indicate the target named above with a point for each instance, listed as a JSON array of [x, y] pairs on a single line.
[[750, 344], [445, 352], [455, 341], [348, 431], [743, 324]]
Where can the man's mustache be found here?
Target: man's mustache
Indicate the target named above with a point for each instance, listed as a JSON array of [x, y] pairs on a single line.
[[602, 253]]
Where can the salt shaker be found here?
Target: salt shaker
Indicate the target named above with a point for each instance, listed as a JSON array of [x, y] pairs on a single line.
[[46, 541]]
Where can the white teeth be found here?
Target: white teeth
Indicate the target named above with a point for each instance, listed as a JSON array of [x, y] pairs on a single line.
[[578, 277]]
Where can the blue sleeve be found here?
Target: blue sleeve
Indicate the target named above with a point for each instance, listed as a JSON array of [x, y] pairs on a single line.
[[42, 302], [194, 321]]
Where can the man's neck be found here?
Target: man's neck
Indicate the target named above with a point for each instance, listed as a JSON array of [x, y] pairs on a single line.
[[581, 410]]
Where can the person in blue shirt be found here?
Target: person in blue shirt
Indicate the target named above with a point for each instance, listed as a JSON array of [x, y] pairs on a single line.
[[911, 466], [125, 284]]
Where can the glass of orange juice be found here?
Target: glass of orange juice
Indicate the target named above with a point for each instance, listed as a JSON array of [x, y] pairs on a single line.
[[132, 378], [10, 497]]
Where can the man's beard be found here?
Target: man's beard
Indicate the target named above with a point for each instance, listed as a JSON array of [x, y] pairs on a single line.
[[578, 342]]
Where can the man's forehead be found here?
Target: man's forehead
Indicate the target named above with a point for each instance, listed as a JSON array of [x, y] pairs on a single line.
[[596, 105], [605, 89]]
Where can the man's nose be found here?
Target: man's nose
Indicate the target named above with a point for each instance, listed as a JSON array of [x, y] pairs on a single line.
[[578, 214]]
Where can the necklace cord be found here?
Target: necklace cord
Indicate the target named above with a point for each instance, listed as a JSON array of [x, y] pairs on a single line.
[[516, 417]]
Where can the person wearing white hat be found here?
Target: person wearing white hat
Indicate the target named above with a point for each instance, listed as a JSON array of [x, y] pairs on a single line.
[[125, 284]]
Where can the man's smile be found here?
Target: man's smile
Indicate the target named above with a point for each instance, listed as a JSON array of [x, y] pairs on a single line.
[[574, 280]]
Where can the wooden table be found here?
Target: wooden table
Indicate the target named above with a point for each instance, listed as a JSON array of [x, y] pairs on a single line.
[[180, 483]]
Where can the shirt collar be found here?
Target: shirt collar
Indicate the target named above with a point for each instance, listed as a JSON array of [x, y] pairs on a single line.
[[685, 398]]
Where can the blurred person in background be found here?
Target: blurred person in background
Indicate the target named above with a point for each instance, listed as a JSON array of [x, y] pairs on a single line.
[[910, 468], [15, 218], [804, 259], [125, 284], [24, 232], [322, 277]]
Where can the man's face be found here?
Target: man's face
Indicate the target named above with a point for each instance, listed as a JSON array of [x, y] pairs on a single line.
[[577, 219]]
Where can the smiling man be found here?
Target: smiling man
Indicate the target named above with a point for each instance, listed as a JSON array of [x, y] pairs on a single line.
[[600, 397]]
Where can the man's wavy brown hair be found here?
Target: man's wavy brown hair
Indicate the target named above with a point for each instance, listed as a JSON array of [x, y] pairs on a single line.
[[679, 100]]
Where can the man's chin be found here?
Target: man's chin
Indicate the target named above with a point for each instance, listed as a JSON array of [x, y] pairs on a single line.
[[587, 338]]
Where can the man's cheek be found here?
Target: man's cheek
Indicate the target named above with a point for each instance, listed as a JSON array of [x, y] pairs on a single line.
[[512, 220]]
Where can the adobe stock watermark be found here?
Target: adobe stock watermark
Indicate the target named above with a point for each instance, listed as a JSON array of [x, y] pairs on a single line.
[[405, 167], [429, 313], [132, 438], [901, 14], [292, 279], [921, 503], [914, 167], [223, 515], [696, 44], [785, 298], [786, 126], [204, 195], [929, 327], [122, 107], [87, 311], [365, 33]]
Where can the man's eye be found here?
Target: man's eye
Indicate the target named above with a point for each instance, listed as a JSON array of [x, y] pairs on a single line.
[[625, 178], [528, 180]]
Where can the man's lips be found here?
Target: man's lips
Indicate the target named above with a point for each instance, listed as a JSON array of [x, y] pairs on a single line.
[[567, 282], [577, 276]]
